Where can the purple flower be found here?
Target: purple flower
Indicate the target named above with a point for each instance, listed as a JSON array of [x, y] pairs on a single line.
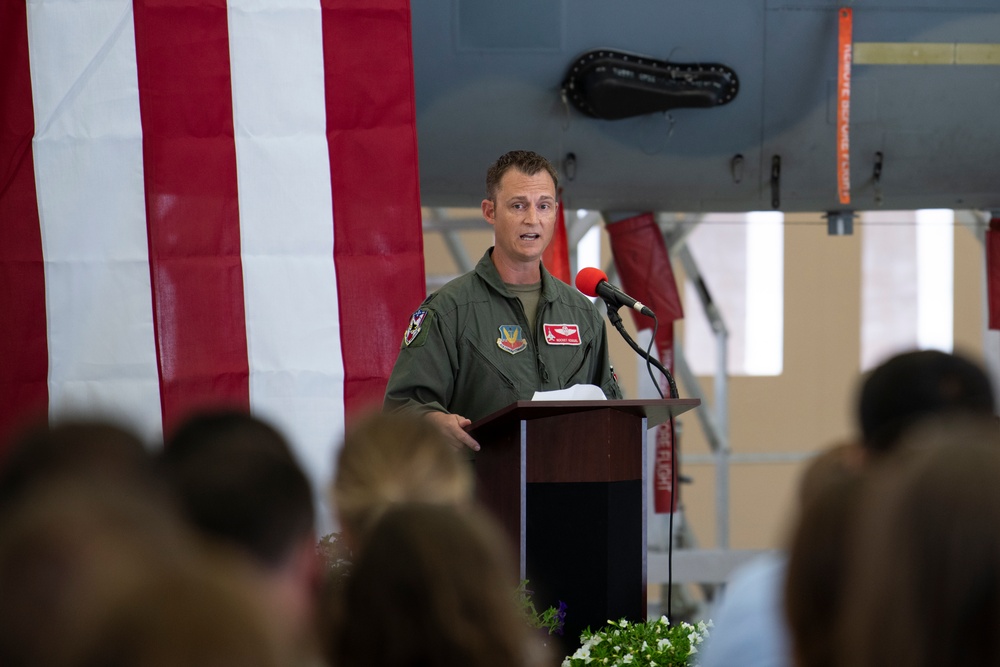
[[560, 618]]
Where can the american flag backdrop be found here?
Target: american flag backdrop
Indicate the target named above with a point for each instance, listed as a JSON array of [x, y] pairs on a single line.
[[206, 202]]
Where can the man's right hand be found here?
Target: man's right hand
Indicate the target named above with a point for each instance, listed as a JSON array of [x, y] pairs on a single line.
[[453, 426]]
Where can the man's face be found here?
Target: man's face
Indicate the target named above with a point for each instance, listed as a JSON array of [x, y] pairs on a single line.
[[523, 215]]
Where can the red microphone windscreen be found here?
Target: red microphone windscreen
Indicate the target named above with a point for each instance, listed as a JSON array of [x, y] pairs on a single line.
[[587, 279]]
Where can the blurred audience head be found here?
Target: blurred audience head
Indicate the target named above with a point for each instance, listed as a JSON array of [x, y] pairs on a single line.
[[70, 552], [75, 449], [828, 491], [910, 386], [237, 480], [207, 616], [238, 483], [434, 586], [394, 458], [923, 580]]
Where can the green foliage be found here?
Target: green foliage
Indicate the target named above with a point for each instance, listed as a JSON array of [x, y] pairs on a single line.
[[621, 644], [550, 620]]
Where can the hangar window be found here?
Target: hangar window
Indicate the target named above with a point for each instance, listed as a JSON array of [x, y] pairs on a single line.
[[907, 282], [741, 257]]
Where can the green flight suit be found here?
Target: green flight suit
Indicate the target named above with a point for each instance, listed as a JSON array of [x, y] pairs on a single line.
[[468, 349]]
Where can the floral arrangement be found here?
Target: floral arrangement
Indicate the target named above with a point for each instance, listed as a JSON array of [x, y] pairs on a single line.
[[654, 642], [550, 620]]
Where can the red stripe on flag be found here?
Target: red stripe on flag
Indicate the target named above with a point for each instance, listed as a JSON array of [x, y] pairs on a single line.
[[371, 130], [189, 159], [23, 349]]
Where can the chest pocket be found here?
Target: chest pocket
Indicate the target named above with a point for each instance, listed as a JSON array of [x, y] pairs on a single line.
[[484, 376], [574, 366]]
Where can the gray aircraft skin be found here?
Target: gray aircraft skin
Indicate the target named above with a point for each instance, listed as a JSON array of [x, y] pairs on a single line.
[[924, 127]]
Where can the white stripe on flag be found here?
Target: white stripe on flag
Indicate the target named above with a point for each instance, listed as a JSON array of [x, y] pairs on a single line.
[[286, 225], [89, 175]]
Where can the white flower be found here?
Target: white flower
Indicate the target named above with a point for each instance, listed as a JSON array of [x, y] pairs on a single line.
[[664, 620], [692, 651], [628, 659], [663, 643]]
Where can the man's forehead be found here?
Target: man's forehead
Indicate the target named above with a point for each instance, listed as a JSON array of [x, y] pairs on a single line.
[[516, 183]]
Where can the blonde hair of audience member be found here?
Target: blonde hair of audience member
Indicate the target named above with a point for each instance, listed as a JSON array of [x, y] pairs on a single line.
[[434, 586], [393, 458], [923, 580], [828, 492]]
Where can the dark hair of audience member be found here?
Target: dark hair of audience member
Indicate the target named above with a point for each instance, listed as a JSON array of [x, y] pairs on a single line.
[[912, 385], [829, 491], [237, 481], [434, 586], [389, 458], [75, 448], [923, 580]]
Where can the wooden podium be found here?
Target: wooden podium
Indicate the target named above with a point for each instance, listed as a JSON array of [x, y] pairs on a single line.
[[567, 480]]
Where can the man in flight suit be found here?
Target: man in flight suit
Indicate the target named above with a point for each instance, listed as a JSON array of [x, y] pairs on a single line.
[[507, 328]]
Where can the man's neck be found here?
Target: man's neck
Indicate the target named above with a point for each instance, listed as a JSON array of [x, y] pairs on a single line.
[[517, 273]]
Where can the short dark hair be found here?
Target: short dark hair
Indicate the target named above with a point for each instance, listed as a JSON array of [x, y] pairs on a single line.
[[526, 162], [237, 481], [913, 385]]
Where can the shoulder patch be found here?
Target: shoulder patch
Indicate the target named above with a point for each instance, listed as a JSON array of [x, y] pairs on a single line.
[[412, 337]]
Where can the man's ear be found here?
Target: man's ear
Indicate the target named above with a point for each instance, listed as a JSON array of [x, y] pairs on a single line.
[[489, 211]]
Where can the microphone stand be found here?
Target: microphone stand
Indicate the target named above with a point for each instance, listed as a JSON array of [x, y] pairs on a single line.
[[616, 320]]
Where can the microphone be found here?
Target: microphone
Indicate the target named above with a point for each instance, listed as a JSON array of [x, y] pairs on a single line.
[[594, 282]]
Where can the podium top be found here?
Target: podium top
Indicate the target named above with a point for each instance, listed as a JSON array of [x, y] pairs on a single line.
[[656, 411]]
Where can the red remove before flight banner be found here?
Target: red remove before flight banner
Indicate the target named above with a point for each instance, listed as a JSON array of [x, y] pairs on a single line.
[[844, 58]]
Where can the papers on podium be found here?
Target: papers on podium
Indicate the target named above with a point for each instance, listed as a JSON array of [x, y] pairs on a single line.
[[578, 392]]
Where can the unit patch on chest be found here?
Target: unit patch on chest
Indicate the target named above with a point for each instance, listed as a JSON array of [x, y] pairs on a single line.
[[562, 334], [511, 339]]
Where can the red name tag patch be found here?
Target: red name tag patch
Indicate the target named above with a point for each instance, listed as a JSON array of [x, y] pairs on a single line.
[[562, 334]]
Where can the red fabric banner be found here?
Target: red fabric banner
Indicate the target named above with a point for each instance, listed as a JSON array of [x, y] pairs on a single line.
[[23, 352], [644, 269], [646, 274], [556, 255], [993, 272]]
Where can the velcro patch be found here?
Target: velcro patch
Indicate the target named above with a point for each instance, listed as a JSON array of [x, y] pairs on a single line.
[[562, 334], [511, 339], [413, 329]]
